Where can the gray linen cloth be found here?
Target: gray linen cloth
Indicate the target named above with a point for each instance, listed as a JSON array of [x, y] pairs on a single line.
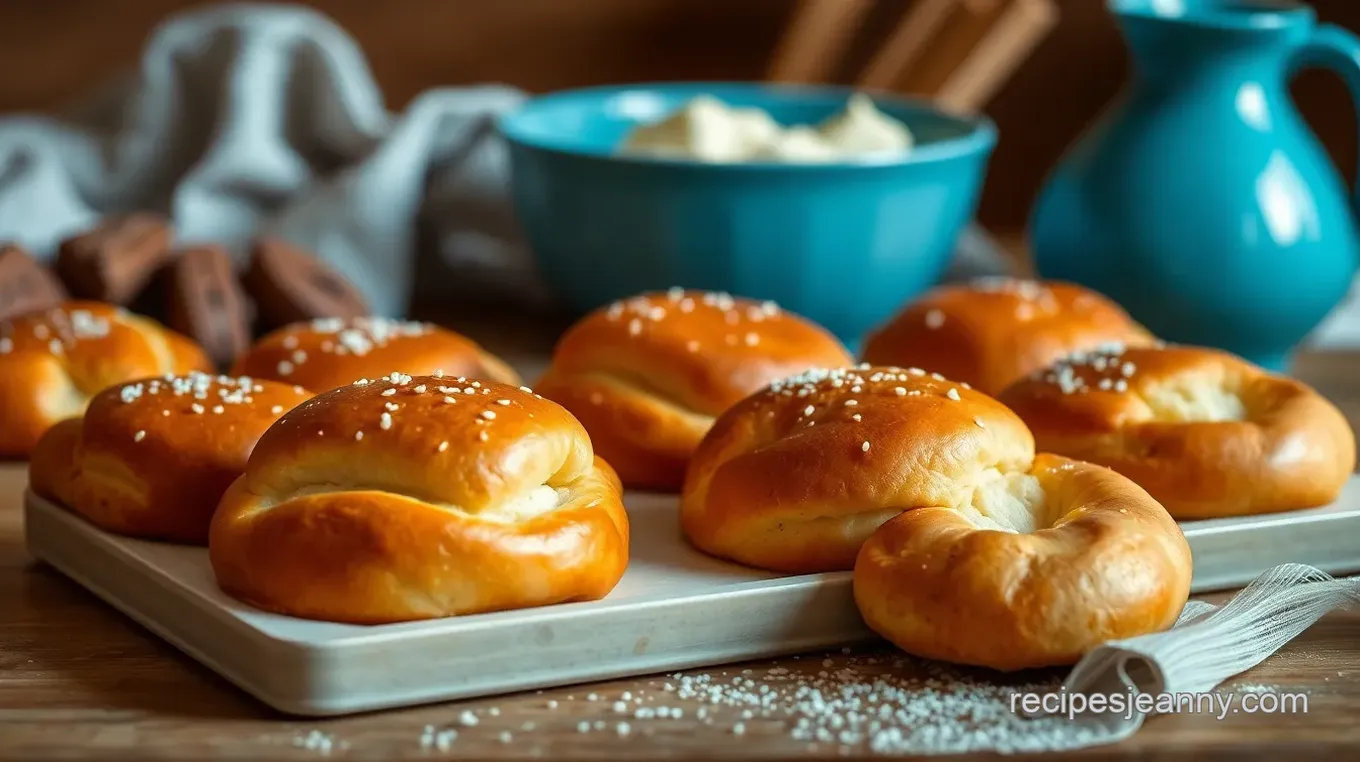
[[251, 119]]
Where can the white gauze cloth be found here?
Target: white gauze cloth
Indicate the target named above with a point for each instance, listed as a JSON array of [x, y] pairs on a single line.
[[1208, 645]]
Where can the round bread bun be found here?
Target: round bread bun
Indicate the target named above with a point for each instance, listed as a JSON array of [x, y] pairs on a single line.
[[54, 360], [329, 353], [795, 477], [1206, 433], [151, 458], [409, 498], [648, 375], [992, 331], [1069, 556]]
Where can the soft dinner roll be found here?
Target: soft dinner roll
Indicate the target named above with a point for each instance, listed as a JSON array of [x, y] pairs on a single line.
[[648, 375], [796, 476], [53, 361], [329, 353], [411, 498], [1031, 571], [151, 458], [993, 331], [1206, 433]]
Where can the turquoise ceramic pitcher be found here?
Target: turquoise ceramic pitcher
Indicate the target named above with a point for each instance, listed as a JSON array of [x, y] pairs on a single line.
[[1202, 202]]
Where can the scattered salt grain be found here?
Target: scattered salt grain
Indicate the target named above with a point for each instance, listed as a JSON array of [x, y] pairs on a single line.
[[319, 742]]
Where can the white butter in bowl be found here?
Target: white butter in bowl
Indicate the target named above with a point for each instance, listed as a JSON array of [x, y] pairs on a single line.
[[706, 129]]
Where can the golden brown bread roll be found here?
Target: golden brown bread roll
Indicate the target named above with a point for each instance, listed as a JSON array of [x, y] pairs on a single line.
[[993, 331], [151, 458], [1084, 557], [328, 353], [417, 497], [1206, 433], [53, 361], [796, 476], [965, 546], [648, 375]]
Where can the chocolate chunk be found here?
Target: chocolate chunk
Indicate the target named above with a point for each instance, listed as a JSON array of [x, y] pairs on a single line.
[[116, 260], [26, 285], [289, 285], [206, 302]]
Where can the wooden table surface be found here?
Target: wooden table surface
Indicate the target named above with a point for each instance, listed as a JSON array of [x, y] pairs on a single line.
[[80, 681]]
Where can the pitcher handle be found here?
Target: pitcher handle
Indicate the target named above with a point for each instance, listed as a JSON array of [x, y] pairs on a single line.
[[1332, 47]]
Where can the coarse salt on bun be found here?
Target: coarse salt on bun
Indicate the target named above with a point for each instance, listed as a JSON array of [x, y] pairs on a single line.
[[647, 375], [964, 544], [408, 498], [992, 331], [151, 458], [1207, 433], [329, 353], [52, 362]]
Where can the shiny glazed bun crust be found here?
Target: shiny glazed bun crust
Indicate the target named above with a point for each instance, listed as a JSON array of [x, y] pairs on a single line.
[[152, 458], [1094, 559], [1208, 434], [796, 476], [965, 546], [993, 331], [411, 498], [647, 376], [328, 353], [53, 361]]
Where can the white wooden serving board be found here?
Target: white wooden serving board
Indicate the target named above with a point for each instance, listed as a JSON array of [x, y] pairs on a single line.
[[674, 609]]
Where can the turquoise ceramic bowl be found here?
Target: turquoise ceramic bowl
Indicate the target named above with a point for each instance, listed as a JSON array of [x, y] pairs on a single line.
[[844, 244]]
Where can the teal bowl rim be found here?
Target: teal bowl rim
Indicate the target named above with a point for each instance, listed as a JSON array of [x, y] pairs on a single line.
[[1237, 15], [980, 139]]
